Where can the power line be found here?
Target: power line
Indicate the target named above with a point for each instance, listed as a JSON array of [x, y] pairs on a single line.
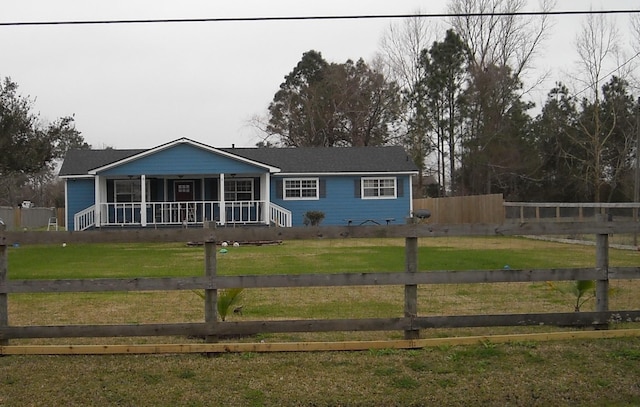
[[610, 73], [306, 18]]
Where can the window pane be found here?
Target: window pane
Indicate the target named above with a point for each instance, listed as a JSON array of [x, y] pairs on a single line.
[[238, 190], [378, 187], [301, 188]]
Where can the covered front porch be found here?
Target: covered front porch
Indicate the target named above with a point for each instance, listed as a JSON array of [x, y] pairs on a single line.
[[182, 200]]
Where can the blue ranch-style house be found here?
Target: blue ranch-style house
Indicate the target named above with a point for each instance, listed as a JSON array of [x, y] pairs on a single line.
[[185, 183]]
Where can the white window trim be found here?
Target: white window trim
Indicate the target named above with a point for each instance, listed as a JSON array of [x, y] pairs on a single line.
[[302, 198], [250, 180], [395, 187], [118, 181]]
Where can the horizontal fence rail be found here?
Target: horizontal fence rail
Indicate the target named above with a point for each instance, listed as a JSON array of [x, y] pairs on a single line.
[[411, 322], [316, 280], [240, 234]]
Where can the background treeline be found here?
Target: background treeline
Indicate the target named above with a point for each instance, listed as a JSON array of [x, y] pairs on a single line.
[[457, 94], [461, 105]]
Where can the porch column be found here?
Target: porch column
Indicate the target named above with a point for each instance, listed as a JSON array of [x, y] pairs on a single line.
[[97, 199], [223, 212], [143, 200], [266, 197]]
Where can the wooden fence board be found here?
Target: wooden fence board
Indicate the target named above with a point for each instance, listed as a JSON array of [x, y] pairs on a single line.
[[106, 284], [259, 234], [314, 280], [309, 346], [246, 328]]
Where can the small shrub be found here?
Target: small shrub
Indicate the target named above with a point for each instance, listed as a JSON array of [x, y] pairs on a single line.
[[313, 218]]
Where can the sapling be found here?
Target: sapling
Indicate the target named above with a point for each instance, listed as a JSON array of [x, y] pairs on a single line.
[[582, 290]]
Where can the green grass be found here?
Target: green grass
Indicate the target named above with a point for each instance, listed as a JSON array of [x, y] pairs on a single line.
[[597, 372], [297, 257]]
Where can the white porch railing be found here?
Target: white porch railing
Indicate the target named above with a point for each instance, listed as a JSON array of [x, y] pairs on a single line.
[[181, 213], [279, 216], [84, 219]]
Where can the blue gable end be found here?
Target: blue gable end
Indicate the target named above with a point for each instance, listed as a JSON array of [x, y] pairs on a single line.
[[183, 159]]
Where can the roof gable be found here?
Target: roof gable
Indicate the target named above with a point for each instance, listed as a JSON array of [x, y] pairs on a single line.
[[198, 151], [201, 159]]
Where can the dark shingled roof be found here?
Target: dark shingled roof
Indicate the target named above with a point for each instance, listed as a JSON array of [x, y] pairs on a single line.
[[79, 162], [330, 159], [312, 160]]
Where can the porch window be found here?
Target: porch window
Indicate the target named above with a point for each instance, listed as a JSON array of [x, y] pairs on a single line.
[[238, 190], [378, 188], [128, 190], [302, 188]]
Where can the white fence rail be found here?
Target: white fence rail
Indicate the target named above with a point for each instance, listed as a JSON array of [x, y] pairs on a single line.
[[280, 216], [85, 219]]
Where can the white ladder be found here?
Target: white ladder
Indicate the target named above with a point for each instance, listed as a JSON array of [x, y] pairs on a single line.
[[53, 223]]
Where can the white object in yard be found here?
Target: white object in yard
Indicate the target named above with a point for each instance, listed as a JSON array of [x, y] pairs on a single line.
[[53, 223], [224, 244], [64, 245], [236, 244]]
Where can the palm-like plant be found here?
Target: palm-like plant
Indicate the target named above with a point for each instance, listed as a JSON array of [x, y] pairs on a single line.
[[226, 300], [582, 290]]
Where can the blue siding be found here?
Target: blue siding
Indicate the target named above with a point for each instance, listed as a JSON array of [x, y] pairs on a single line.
[[183, 159], [80, 196], [341, 203]]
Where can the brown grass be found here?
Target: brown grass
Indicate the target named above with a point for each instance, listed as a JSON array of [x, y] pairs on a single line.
[[566, 373]]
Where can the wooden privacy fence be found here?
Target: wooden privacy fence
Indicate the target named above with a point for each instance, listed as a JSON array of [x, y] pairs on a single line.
[[463, 209], [17, 218], [411, 322]]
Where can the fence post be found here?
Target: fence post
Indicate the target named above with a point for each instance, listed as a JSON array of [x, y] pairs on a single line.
[[210, 295], [4, 309], [411, 290], [602, 265]]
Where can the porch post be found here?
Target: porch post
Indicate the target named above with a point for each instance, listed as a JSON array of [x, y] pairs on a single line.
[[143, 200], [97, 199], [266, 197], [223, 212]]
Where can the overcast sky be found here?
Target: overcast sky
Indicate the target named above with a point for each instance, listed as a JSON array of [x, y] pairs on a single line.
[[141, 85]]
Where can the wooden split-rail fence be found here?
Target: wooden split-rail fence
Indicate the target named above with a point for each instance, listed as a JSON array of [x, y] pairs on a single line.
[[410, 323]]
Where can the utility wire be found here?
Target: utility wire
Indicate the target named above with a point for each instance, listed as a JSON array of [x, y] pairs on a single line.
[[614, 70], [306, 18]]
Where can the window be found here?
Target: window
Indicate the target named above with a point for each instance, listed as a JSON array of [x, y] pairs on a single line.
[[378, 188], [128, 190], [238, 190], [303, 188]]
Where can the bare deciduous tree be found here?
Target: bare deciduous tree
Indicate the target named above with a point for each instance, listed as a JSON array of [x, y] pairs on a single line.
[[497, 39], [400, 49], [596, 44], [401, 46]]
